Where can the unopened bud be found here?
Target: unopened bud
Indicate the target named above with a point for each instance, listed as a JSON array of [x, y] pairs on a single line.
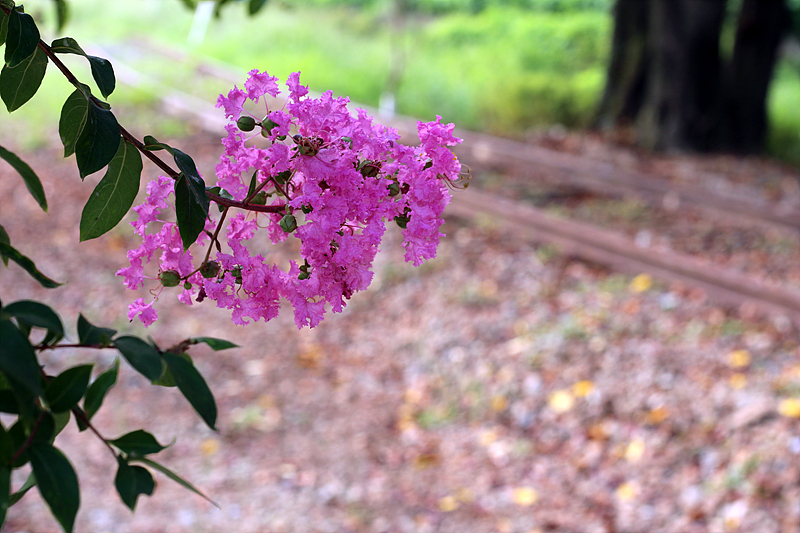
[[288, 223], [187, 285], [246, 123], [209, 270], [169, 278], [394, 189], [401, 221]]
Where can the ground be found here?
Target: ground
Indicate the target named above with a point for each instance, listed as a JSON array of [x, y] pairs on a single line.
[[499, 388]]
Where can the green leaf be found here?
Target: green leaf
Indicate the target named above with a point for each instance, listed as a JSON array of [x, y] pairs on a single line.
[[97, 391], [91, 335], [74, 115], [19, 83], [193, 387], [22, 37], [214, 343], [174, 477], [28, 485], [18, 438], [7, 448], [5, 492], [191, 208], [45, 428], [98, 141], [32, 182], [131, 481], [35, 314], [4, 238], [114, 195], [102, 71], [255, 6], [57, 482], [9, 252], [3, 27], [152, 144], [62, 14], [138, 443], [66, 390], [8, 402], [17, 358], [141, 356]]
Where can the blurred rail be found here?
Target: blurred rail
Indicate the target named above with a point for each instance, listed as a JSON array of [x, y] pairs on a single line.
[[574, 238]]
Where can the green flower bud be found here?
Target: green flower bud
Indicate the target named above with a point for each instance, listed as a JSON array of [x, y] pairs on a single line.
[[209, 270], [394, 189], [187, 285], [304, 275], [246, 123], [401, 221], [169, 278], [306, 209], [288, 223]]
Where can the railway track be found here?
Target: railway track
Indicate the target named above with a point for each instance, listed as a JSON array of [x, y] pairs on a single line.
[[577, 239]]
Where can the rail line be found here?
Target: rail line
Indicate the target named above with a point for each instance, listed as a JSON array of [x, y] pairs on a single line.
[[573, 238]]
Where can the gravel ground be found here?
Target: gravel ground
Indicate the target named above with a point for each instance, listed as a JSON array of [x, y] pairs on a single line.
[[499, 388]]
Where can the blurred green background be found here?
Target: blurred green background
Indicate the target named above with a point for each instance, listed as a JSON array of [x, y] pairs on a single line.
[[498, 66]]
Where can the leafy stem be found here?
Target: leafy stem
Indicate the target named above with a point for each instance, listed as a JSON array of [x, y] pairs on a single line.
[[30, 438]]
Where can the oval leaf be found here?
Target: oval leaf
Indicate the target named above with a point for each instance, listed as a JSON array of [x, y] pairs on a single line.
[[35, 314], [138, 443], [191, 208], [103, 74], [9, 252], [175, 477], [18, 84], [193, 387], [32, 182], [98, 141], [114, 195], [91, 335], [74, 114], [98, 389], [17, 358], [141, 356], [131, 481], [67, 389], [214, 343], [56, 481], [22, 37], [67, 45]]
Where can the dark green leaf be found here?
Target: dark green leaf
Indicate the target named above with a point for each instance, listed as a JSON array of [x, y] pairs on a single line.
[[45, 428], [91, 335], [66, 390], [114, 195], [131, 481], [7, 448], [255, 6], [17, 358], [103, 74], [99, 388], [174, 477], [74, 114], [32, 182], [193, 387], [35, 314], [4, 238], [214, 344], [57, 482], [98, 142], [3, 27], [191, 208], [8, 402], [28, 485], [138, 443], [18, 438], [62, 419], [8, 251], [152, 144], [141, 356], [67, 45], [62, 14], [5, 492], [19, 83], [22, 37]]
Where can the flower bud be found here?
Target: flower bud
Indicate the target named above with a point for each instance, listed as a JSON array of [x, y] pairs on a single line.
[[209, 270], [401, 221], [288, 223], [394, 188], [187, 285], [304, 275], [169, 278], [246, 123]]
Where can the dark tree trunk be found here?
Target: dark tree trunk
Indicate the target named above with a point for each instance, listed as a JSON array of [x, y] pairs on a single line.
[[667, 79]]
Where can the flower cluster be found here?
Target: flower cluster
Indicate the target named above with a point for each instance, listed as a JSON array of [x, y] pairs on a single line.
[[311, 170]]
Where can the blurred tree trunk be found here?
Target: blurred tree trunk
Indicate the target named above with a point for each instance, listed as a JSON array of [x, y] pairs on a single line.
[[667, 79]]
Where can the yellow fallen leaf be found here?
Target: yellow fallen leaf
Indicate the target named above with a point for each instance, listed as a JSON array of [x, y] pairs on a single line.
[[627, 491], [561, 401], [582, 388], [209, 446], [738, 381], [641, 283], [499, 403], [311, 356], [657, 415], [524, 496], [448, 504], [789, 407], [635, 450], [739, 358]]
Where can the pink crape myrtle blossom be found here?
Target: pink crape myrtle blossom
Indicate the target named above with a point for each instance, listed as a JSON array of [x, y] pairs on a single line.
[[333, 179]]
